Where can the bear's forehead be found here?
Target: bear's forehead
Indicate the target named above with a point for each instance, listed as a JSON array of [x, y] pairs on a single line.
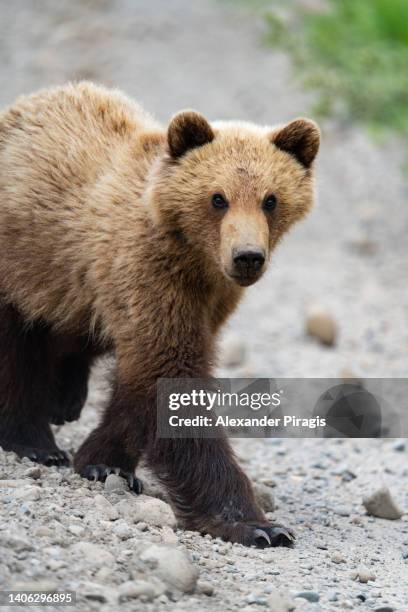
[[246, 160]]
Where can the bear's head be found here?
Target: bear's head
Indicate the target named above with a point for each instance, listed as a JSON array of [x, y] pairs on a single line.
[[232, 190]]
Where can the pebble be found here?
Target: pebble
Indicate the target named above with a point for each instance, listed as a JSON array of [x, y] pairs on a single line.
[[142, 526], [347, 476], [15, 542], [311, 596], [341, 511], [168, 535], [99, 593], [28, 493], [233, 352], [76, 530], [105, 508], [122, 530], [258, 600], [43, 532], [115, 484], [265, 498], [34, 472], [363, 575], [171, 565], [269, 482], [146, 590], [321, 325], [147, 509], [95, 555], [399, 445], [205, 587], [280, 602], [337, 557], [381, 504]]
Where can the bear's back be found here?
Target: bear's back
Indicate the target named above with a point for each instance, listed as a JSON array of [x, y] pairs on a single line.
[[55, 146], [63, 137]]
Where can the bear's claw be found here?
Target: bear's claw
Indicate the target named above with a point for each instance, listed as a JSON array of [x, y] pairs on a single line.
[[101, 471], [271, 536], [47, 457]]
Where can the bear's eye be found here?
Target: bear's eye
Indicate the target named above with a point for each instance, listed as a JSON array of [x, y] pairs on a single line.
[[218, 201], [270, 202]]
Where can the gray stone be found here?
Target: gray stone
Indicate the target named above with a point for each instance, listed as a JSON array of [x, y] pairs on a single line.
[[171, 565], [76, 530], [280, 602], [99, 593], [15, 542], [332, 596], [105, 508], [233, 352], [258, 600], [337, 557], [34, 472], [28, 493], [205, 587], [116, 484], [146, 509], [122, 530], [381, 504], [321, 326], [95, 555], [341, 511], [146, 590], [363, 575], [311, 596]]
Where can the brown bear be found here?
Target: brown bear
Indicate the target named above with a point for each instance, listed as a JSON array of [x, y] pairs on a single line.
[[119, 236]]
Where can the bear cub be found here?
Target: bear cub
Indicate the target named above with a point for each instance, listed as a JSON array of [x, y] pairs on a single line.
[[119, 236]]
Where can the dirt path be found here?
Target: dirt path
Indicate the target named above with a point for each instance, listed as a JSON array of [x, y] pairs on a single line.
[[350, 257]]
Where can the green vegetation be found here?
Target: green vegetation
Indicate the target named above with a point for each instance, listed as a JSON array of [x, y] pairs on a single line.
[[355, 54]]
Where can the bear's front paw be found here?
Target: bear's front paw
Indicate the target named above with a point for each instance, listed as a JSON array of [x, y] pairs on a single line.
[[46, 456], [261, 535], [101, 472]]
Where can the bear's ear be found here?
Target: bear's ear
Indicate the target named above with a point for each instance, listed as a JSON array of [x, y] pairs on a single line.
[[187, 130], [300, 138]]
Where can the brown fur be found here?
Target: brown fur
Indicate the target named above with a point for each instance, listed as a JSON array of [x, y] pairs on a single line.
[[109, 241]]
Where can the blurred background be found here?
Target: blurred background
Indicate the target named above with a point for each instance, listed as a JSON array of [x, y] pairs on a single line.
[[335, 302]]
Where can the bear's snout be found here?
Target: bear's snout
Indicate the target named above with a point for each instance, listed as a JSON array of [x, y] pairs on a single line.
[[248, 263]]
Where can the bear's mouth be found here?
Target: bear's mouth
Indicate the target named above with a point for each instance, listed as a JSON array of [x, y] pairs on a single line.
[[244, 280]]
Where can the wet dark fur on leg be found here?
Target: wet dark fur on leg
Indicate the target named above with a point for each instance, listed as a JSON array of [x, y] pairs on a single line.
[[40, 383], [209, 491]]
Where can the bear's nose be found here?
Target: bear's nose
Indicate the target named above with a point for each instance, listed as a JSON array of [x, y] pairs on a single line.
[[249, 260]]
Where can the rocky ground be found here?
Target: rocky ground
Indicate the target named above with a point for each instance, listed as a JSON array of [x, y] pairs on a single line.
[[349, 259]]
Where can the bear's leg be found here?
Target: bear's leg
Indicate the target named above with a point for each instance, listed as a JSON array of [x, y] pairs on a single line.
[[26, 375], [209, 491], [70, 388], [112, 448]]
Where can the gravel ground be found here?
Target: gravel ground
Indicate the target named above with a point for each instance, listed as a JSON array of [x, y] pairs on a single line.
[[57, 530]]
